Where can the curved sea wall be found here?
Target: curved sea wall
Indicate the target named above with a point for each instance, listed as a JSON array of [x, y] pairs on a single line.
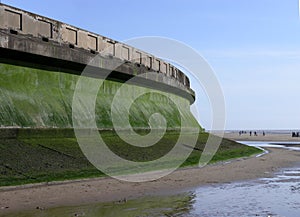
[[39, 98], [41, 60]]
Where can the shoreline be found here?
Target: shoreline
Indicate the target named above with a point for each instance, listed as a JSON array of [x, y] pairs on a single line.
[[97, 190], [269, 137]]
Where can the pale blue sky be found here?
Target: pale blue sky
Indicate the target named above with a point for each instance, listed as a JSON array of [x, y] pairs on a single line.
[[252, 45]]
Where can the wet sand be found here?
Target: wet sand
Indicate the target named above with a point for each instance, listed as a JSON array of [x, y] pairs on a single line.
[[14, 199]]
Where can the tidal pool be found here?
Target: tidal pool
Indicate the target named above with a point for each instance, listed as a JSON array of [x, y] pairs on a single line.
[[277, 196]]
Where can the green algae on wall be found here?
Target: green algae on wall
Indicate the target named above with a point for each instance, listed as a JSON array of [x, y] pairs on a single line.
[[39, 98]]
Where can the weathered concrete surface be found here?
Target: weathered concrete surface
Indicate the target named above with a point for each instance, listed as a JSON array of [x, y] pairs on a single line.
[[31, 52], [41, 61], [36, 41], [31, 97]]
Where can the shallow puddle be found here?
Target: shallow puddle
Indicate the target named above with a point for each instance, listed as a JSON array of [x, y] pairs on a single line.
[[277, 196]]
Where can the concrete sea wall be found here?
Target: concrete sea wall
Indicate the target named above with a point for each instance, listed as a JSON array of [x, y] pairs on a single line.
[[41, 60], [33, 34], [39, 98]]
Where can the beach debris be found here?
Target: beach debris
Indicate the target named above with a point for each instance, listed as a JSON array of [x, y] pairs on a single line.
[[40, 208], [79, 214], [124, 200], [295, 188], [5, 207]]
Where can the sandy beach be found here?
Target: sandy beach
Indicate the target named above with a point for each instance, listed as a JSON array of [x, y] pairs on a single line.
[[14, 199], [278, 137]]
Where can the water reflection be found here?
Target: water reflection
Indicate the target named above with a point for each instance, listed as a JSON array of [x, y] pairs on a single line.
[[278, 196], [295, 146]]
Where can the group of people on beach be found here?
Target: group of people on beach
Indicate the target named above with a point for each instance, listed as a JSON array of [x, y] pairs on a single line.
[[295, 134], [254, 133]]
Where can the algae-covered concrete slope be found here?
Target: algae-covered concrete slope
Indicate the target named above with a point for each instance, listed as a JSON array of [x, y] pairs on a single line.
[[39, 98], [41, 61], [45, 155]]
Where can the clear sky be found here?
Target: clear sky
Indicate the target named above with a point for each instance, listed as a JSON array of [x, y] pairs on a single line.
[[252, 45]]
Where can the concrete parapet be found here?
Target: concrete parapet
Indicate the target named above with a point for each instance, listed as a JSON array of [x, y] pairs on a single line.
[[41, 38]]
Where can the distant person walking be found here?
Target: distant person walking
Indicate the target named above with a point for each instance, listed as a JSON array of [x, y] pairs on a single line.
[[255, 134], [250, 133], [264, 133]]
